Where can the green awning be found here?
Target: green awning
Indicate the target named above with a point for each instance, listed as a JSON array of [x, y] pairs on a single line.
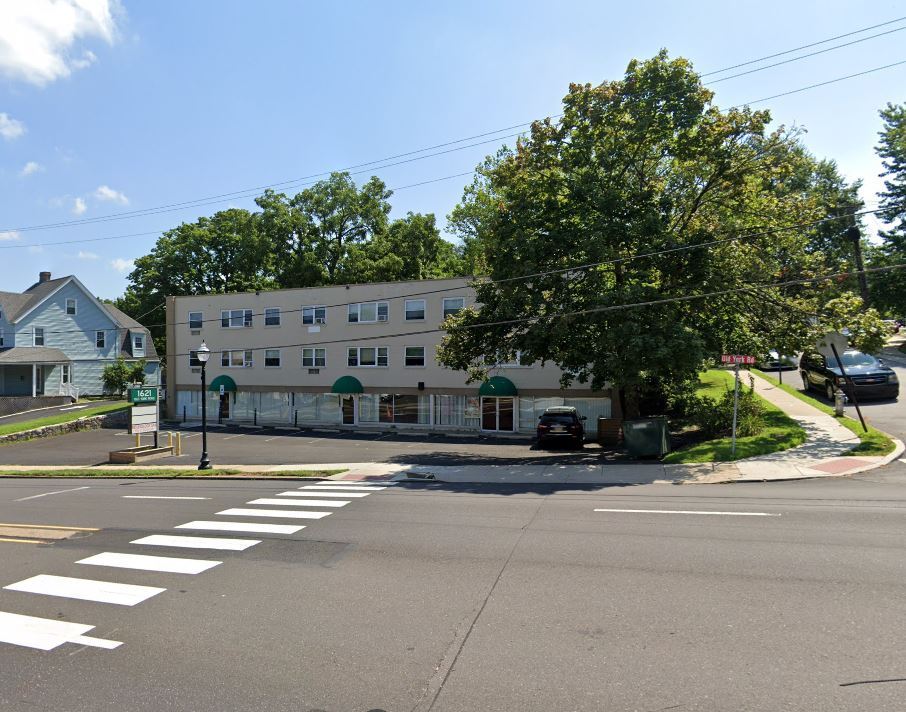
[[229, 385], [347, 384], [497, 386]]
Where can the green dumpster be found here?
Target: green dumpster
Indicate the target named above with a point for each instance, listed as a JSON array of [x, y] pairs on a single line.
[[645, 437]]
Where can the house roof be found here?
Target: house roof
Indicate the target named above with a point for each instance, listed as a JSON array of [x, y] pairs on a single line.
[[31, 354], [122, 319], [11, 303]]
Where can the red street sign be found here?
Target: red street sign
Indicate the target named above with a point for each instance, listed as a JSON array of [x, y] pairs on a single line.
[[735, 358]]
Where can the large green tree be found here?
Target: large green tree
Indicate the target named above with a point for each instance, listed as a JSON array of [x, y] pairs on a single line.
[[632, 174]]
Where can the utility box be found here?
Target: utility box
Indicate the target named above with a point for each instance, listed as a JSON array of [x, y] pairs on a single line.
[[646, 437]]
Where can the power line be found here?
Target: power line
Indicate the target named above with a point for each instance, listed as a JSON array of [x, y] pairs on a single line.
[[831, 81]]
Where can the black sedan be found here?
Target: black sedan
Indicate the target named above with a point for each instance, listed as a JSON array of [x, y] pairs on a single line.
[[871, 378], [561, 423]]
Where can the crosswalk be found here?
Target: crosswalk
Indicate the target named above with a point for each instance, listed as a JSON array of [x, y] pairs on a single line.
[[48, 634]]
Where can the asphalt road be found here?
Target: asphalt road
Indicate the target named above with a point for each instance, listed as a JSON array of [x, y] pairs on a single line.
[[48, 412], [789, 596]]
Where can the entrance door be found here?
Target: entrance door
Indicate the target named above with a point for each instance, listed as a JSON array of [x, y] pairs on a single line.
[[497, 414], [223, 412], [39, 380], [348, 405]]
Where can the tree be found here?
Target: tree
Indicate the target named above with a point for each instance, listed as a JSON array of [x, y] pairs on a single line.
[[412, 248], [633, 174], [119, 374]]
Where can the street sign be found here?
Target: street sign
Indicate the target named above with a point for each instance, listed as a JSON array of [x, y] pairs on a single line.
[[735, 358], [143, 418], [829, 341], [143, 394], [222, 390]]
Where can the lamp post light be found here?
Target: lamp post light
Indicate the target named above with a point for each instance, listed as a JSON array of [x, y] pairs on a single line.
[[203, 354]]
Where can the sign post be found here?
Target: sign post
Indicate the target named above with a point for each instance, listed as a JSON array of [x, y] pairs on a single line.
[[830, 347], [145, 412], [735, 359]]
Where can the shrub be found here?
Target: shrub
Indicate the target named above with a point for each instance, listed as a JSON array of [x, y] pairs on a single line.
[[715, 418]]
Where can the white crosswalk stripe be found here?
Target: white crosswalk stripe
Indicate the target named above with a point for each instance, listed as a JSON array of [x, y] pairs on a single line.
[[278, 513], [164, 564], [197, 542], [47, 634], [353, 488], [122, 594], [250, 527], [303, 502], [324, 493]]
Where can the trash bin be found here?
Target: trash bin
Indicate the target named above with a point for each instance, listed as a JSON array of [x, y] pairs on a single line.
[[645, 437], [609, 431]]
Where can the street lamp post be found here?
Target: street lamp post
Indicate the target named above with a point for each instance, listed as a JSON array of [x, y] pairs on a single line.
[[203, 354]]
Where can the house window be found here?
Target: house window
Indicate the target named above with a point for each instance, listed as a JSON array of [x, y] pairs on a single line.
[[415, 310], [314, 315], [196, 319], [100, 339], [415, 355], [272, 316], [517, 361], [235, 318], [193, 360], [314, 358], [66, 373], [38, 336], [453, 305], [272, 358], [138, 345], [367, 356], [236, 359], [71, 307], [368, 312], [1, 337]]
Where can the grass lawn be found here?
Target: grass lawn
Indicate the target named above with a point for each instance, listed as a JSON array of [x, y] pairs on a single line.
[[874, 443], [163, 473], [66, 417], [780, 432]]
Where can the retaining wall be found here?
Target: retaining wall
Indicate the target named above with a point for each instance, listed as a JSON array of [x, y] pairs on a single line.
[[94, 422]]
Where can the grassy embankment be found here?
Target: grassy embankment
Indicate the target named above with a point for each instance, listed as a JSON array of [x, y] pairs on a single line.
[[59, 418]]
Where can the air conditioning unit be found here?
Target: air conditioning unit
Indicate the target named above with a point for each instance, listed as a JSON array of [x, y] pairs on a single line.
[[320, 321], [196, 332], [382, 317], [249, 364]]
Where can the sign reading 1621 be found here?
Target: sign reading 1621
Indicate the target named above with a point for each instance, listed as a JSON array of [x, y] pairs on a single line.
[[143, 395]]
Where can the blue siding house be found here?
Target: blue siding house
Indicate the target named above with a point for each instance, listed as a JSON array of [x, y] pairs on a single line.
[[56, 338]]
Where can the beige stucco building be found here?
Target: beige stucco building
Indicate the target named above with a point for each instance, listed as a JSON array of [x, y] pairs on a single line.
[[349, 356]]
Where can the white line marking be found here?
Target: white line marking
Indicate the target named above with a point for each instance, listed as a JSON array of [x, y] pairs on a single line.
[[302, 502], [75, 407], [123, 594], [903, 460], [151, 496], [280, 513], [46, 634], [315, 493], [252, 527], [197, 542], [681, 511], [166, 564], [47, 494], [238, 435], [354, 488]]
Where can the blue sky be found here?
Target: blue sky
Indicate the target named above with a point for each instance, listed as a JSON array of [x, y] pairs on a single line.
[[111, 107]]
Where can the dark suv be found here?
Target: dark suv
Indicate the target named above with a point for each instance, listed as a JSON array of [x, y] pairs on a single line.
[[561, 423], [872, 379]]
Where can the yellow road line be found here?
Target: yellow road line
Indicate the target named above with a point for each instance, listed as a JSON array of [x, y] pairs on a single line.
[[50, 526], [22, 541]]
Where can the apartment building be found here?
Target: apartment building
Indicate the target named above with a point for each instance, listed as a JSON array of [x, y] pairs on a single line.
[[354, 356]]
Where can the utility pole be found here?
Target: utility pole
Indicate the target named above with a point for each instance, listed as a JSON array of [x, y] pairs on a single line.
[[856, 237]]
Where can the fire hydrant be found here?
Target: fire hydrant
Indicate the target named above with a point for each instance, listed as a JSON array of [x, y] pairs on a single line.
[[839, 402]]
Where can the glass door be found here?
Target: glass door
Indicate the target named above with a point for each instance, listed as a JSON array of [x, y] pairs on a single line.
[[497, 414], [348, 406]]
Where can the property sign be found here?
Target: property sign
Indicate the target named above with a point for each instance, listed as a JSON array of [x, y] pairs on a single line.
[[143, 418], [736, 358], [143, 395]]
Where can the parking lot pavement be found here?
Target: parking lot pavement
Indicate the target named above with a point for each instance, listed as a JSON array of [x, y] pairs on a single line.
[[269, 446]]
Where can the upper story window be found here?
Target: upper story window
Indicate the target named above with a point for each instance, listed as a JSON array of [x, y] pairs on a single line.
[[368, 312], [138, 344], [415, 310], [235, 318], [367, 357], [38, 336], [71, 306], [236, 359], [314, 358], [453, 305], [272, 358], [517, 361], [100, 339], [196, 319], [415, 356], [314, 315], [272, 316], [193, 360]]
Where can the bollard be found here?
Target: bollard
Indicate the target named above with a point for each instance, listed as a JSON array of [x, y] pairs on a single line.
[[839, 401], [255, 417], [184, 414], [179, 443], [138, 440], [296, 418]]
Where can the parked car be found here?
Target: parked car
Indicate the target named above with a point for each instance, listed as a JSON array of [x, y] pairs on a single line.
[[776, 361], [561, 423], [871, 378]]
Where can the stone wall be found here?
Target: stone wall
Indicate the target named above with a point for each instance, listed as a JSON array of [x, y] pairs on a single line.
[[19, 404], [94, 422]]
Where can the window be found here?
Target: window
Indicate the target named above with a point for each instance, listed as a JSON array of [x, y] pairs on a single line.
[[314, 315], [235, 318], [236, 359], [138, 345], [272, 316], [415, 355], [368, 312], [394, 408], [367, 357], [38, 336], [415, 310], [196, 319], [193, 360], [1, 337], [517, 361], [272, 358], [453, 305], [314, 358], [66, 373], [100, 339], [71, 306]]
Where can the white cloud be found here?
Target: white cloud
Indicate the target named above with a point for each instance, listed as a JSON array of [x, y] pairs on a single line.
[[78, 206], [35, 249], [122, 265], [9, 236], [10, 128], [37, 36], [83, 255], [31, 167], [105, 192]]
